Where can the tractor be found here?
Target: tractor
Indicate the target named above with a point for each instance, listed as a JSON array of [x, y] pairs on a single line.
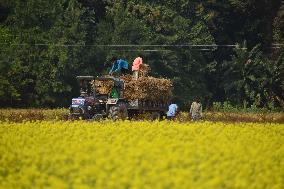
[[92, 105]]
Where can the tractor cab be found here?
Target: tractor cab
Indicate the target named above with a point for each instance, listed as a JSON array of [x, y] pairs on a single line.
[[85, 85], [93, 103]]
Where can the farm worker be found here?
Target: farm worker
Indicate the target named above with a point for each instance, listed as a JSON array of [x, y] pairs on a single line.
[[119, 65], [196, 110], [136, 66], [173, 109]]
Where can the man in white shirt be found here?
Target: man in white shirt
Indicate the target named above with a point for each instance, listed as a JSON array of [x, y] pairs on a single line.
[[196, 110]]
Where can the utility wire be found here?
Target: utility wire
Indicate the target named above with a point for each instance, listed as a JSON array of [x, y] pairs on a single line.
[[120, 45], [203, 47], [278, 44], [157, 50]]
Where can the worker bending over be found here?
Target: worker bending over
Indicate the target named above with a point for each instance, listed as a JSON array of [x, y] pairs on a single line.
[[172, 112], [119, 66]]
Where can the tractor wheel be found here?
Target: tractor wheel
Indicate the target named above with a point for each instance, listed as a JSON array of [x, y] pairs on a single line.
[[118, 111], [97, 117], [71, 117]]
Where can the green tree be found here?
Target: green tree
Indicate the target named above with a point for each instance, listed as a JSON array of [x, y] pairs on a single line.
[[48, 51], [45, 44], [152, 24], [8, 90], [250, 78]]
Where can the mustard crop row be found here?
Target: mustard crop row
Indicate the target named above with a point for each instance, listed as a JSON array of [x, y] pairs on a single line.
[[150, 155]]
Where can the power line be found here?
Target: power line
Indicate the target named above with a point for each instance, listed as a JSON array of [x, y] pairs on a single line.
[[144, 50], [202, 47], [119, 45], [278, 44], [157, 50]]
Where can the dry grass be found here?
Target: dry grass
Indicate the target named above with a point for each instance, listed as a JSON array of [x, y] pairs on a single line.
[[19, 115], [237, 117]]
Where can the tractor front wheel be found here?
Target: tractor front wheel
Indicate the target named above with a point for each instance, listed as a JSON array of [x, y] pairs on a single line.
[[97, 117], [118, 111]]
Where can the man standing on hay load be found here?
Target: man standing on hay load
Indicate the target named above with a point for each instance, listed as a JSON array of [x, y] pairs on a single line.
[[136, 66], [119, 66]]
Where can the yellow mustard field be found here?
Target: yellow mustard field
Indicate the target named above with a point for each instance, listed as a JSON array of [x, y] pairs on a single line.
[[152, 155]]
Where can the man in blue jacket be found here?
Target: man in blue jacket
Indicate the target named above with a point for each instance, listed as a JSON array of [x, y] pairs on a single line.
[[119, 65], [173, 111]]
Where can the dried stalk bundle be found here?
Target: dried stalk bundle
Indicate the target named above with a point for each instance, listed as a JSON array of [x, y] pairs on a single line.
[[102, 87], [148, 88], [144, 70], [126, 78], [144, 88]]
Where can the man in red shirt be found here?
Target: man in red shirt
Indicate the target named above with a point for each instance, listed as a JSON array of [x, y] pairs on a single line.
[[136, 66]]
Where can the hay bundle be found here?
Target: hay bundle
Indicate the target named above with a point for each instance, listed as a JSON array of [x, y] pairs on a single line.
[[144, 70], [148, 88], [102, 87], [143, 88], [126, 78]]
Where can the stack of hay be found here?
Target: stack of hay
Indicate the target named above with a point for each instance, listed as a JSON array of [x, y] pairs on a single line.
[[144, 88], [148, 88], [144, 70], [102, 87]]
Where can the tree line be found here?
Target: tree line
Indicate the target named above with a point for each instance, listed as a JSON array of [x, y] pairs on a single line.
[[220, 50]]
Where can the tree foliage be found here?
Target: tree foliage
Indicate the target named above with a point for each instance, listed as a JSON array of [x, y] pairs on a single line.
[[250, 78], [45, 44]]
